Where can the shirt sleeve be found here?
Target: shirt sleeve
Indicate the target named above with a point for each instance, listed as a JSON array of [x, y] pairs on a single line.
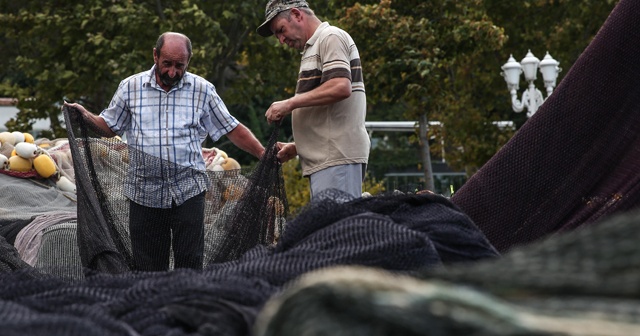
[[335, 55], [217, 120], [116, 115]]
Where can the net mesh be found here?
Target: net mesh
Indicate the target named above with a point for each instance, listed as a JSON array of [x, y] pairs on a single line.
[[541, 241], [243, 207], [579, 283], [576, 160]]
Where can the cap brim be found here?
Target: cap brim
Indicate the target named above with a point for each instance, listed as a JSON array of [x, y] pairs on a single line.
[[265, 29]]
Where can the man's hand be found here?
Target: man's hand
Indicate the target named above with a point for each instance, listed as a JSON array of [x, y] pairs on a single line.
[[278, 110], [95, 123], [286, 151], [76, 111]]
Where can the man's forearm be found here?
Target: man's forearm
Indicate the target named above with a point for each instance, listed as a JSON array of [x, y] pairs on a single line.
[[330, 92], [94, 122], [244, 139], [98, 125]]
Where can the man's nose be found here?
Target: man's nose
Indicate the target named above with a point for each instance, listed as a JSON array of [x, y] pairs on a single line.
[[172, 72]]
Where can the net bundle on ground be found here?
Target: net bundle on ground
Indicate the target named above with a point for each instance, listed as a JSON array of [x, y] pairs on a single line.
[[432, 269], [583, 283], [403, 234]]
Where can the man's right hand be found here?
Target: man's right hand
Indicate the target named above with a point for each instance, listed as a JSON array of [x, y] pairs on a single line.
[[76, 111], [96, 123]]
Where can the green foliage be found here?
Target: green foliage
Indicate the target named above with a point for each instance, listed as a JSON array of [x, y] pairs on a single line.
[[429, 58], [564, 28], [443, 58], [438, 57], [373, 186], [81, 50], [296, 187], [68, 51]]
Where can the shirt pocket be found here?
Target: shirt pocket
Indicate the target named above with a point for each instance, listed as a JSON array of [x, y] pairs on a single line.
[[186, 122]]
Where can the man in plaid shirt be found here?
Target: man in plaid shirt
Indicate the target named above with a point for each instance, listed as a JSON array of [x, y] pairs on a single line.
[[166, 113]]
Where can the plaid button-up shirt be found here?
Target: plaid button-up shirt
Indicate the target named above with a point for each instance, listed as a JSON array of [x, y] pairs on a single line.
[[169, 127]]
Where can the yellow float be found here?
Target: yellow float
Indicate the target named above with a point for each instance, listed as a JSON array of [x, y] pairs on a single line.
[[230, 164], [19, 164], [28, 138], [232, 193], [45, 166]]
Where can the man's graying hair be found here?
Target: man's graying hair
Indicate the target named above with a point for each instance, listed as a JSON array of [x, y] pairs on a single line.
[[160, 43], [286, 14]]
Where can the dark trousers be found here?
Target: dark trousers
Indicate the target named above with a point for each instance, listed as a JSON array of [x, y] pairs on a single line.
[[152, 231]]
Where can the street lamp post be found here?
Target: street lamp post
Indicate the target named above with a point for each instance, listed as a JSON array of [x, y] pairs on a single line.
[[532, 98]]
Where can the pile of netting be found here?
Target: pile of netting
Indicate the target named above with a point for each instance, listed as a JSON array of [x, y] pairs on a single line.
[[541, 241], [583, 283]]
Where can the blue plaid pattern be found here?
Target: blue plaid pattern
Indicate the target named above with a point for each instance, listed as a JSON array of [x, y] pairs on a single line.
[[169, 126]]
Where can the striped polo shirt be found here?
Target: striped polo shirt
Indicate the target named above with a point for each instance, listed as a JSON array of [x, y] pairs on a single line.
[[169, 127], [334, 134]]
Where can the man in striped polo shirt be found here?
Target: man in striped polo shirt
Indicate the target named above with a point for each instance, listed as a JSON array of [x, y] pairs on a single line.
[[329, 107]]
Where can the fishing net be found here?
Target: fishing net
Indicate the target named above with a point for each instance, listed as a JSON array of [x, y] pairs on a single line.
[[401, 233], [541, 241], [581, 283], [243, 207], [576, 160]]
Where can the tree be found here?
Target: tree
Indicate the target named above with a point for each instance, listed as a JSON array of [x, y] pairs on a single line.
[[81, 50], [442, 57], [428, 58], [73, 51]]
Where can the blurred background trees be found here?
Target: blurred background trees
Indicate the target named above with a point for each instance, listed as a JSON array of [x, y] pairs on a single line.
[[441, 58]]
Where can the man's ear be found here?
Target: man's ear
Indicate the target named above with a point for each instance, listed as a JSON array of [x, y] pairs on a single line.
[[296, 14], [155, 56]]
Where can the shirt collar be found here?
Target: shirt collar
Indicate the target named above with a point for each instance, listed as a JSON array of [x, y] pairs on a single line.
[[316, 35]]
